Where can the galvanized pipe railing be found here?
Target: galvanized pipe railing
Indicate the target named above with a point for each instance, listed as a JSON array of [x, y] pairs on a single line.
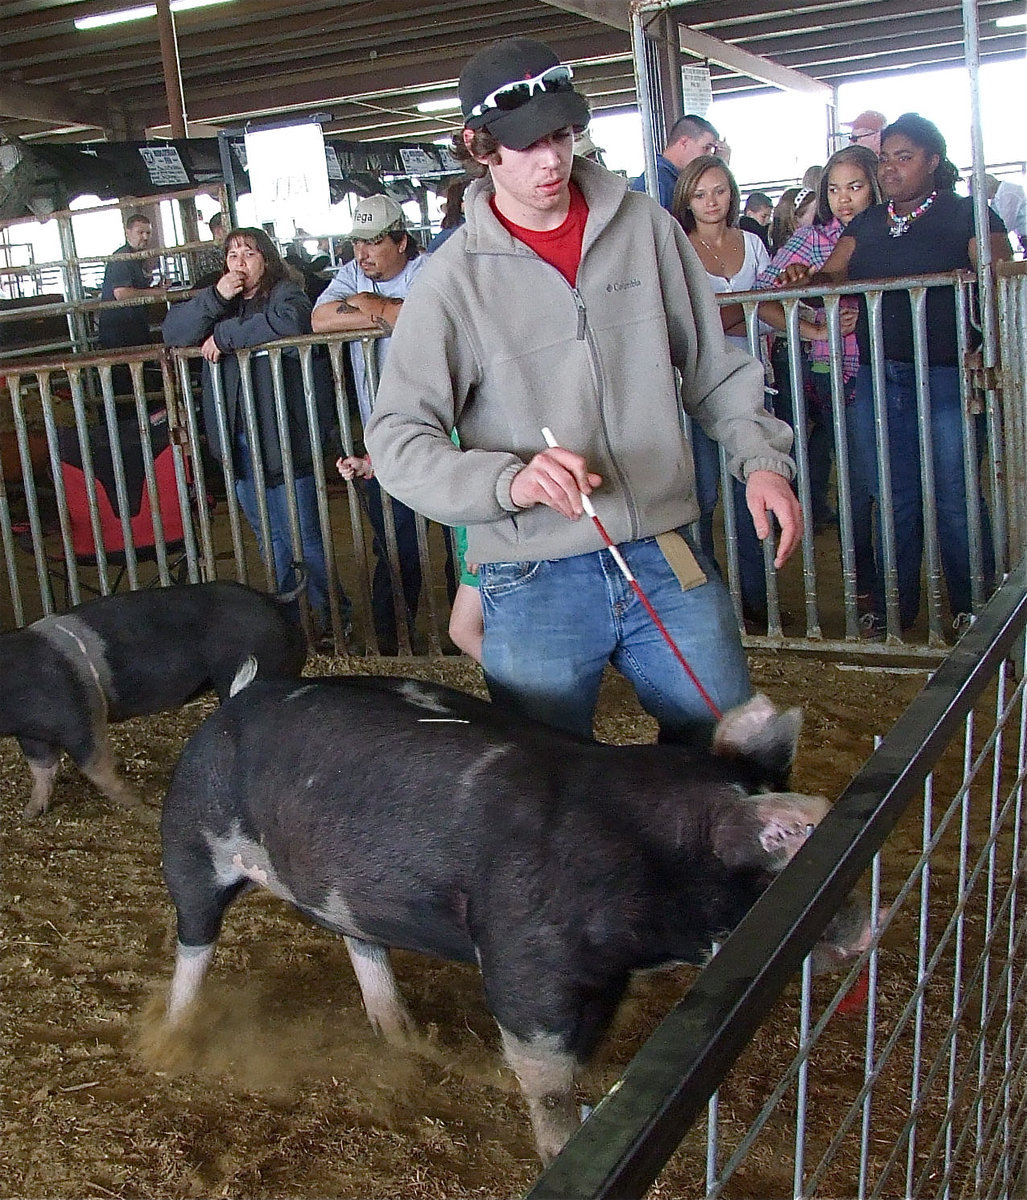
[[994, 454], [829, 598]]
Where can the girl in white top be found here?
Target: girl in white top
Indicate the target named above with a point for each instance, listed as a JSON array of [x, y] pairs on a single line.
[[707, 204]]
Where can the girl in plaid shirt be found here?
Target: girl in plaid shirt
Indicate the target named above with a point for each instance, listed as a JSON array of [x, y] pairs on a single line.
[[847, 187]]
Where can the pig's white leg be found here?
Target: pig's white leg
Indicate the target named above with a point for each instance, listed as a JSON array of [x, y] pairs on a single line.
[[191, 963], [382, 1002], [546, 1075], [43, 777]]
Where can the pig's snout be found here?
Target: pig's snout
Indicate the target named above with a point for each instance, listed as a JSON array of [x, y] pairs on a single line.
[[849, 934]]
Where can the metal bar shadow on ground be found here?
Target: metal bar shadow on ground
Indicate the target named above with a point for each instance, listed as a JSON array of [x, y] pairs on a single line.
[[634, 1130]]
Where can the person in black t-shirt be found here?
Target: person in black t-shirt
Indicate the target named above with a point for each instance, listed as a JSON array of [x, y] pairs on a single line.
[[125, 280], [118, 328], [922, 229]]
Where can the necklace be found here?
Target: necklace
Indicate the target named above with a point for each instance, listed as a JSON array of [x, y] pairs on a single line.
[[899, 224], [711, 250]]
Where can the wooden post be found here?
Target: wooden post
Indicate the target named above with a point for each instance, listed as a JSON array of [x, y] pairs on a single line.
[[172, 69]]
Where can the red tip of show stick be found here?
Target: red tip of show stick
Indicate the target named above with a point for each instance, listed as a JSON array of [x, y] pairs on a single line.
[[855, 999]]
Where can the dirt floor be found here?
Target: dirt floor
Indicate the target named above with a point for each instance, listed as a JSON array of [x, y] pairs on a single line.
[[280, 1089]]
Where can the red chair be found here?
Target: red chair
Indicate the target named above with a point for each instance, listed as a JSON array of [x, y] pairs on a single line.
[[142, 523]]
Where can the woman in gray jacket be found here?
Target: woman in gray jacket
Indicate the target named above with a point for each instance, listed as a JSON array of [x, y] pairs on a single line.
[[258, 300]]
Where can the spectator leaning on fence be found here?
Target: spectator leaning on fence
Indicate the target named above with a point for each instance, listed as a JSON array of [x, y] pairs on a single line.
[[924, 227], [847, 188], [706, 203], [258, 300], [369, 292], [567, 301]]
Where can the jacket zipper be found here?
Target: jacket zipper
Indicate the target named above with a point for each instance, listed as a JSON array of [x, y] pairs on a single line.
[[582, 337], [581, 314]]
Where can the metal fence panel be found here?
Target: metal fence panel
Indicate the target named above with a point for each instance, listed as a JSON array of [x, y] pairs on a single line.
[[835, 605], [920, 1089], [814, 603]]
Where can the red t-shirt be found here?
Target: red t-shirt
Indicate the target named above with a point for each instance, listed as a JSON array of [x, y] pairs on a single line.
[[560, 247]]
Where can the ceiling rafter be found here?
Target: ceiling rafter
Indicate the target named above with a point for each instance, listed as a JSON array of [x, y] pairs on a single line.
[[368, 62]]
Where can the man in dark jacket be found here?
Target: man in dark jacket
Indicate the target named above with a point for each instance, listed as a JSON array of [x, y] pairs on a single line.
[[690, 137]]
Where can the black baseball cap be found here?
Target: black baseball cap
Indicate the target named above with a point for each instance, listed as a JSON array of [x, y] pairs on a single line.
[[542, 111]]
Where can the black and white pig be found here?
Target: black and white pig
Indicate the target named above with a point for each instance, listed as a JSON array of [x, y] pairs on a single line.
[[400, 813], [63, 678]]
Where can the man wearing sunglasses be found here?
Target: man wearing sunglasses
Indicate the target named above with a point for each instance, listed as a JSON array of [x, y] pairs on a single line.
[[368, 292], [566, 302]]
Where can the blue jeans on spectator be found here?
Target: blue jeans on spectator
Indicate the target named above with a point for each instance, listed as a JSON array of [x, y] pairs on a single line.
[[382, 605], [819, 436], [752, 578], [907, 503], [860, 499], [552, 626], [312, 548]]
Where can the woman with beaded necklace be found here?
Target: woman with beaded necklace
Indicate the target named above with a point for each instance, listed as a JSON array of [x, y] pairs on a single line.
[[924, 227]]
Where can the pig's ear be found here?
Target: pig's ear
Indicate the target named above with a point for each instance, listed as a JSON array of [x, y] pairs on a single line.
[[765, 831], [761, 735]]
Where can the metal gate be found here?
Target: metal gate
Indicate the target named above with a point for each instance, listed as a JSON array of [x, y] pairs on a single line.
[[922, 1091]]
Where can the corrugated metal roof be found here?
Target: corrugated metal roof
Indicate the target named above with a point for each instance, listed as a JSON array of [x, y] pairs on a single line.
[[368, 65]]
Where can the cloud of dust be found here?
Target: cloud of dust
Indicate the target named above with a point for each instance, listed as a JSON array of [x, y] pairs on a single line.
[[252, 1040]]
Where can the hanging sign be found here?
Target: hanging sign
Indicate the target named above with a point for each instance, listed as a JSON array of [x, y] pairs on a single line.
[[334, 167], [164, 165], [417, 161], [288, 173], [697, 90]]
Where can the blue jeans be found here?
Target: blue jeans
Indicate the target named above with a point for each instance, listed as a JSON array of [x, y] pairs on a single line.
[[552, 626], [860, 499], [819, 436], [907, 503], [281, 540], [382, 604], [752, 577]]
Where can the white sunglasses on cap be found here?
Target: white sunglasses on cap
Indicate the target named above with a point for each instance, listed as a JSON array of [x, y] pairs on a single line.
[[519, 92]]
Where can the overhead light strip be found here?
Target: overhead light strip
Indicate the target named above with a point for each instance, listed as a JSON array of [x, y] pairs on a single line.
[[141, 13], [446, 104]]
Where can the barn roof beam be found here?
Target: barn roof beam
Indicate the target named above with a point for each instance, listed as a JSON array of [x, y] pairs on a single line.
[[693, 41], [54, 105]]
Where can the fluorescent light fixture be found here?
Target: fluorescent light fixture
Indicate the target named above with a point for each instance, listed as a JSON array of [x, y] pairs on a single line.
[[1009, 22], [140, 13], [430, 106]]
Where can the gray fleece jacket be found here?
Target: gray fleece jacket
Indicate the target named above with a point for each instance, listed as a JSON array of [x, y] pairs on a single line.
[[494, 342]]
